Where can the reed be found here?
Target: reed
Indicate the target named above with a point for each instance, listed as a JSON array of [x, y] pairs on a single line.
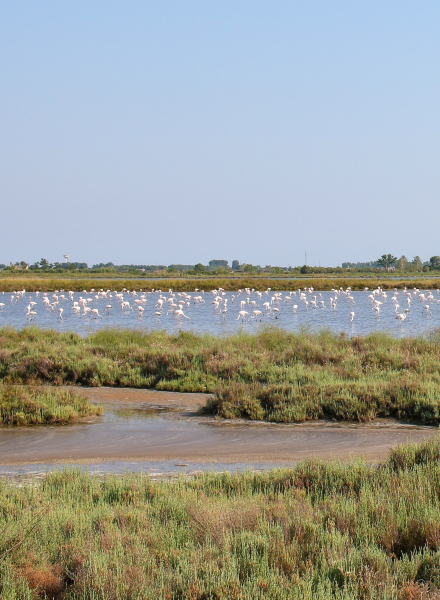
[[230, 283], [26, 405], [273, 374], [319, 531]]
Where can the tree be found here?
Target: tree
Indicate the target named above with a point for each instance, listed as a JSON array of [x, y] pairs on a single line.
[[435, 262], [235, 265], [249, 268], [44, 263], [199, 268], [387, 260], [218, 263], [304, 270], [417, 263], [402, 262]]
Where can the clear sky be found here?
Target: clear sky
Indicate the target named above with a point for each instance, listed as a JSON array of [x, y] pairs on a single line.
[[164, 132]]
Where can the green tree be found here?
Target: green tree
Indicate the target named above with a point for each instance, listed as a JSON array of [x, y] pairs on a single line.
[[249, 268], [434, 263], [387, 260], [235, 265], [402, 262], [417, 263], [218, 263], [44, 263], [199, 268]]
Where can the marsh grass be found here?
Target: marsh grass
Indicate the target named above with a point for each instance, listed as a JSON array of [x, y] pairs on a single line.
[[274, 375], [27, 405], [10, 283], [318, 531]]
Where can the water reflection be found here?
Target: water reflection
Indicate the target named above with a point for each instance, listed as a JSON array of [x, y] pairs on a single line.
[[218, 313]]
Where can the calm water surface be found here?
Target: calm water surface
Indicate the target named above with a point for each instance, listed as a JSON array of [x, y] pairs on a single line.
[[204, 316]]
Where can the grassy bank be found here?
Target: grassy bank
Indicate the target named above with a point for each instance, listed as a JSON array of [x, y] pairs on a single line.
[[319, 531], [273, 375], [26, 405], [77, 284]]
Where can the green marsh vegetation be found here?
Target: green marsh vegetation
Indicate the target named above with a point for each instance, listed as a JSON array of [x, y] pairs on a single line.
[[31, 283], [319, 531], [274, 375], [28, 405]]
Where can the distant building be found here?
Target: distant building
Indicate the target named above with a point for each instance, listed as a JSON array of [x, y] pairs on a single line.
[[19, 267]]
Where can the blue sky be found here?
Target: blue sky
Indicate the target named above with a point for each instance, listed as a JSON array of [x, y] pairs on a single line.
[[164, 132]]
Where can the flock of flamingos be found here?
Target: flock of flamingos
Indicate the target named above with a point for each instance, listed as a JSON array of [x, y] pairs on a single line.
[[252, 304]]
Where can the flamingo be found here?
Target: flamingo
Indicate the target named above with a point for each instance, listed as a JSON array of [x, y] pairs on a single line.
[[179, 313], [30, 314], [427, 309], [242, 315]]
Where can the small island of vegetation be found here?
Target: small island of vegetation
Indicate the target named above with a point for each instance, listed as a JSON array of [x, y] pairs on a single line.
[[29, 405]]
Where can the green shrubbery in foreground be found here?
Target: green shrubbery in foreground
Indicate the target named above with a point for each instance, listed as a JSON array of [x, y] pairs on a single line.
[[26, 405], [273, 375], [317, 531]]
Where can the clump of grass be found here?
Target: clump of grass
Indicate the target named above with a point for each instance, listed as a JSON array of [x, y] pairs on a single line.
[[27, 405], [273, 374], [319, 531]]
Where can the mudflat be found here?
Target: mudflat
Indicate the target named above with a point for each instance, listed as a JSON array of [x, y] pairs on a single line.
[[153, 425]]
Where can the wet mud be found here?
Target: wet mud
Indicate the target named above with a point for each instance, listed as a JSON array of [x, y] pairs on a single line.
[[147, 427]]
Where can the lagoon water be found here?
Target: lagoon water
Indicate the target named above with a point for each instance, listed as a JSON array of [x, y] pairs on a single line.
[[204, 317]]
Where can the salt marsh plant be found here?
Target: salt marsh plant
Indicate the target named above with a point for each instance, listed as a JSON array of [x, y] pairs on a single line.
[[232, 283], [318, 531], [27, 405], [273, 375]]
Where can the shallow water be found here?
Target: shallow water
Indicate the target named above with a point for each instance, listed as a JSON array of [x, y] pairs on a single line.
[[160, 432], [205, 317]]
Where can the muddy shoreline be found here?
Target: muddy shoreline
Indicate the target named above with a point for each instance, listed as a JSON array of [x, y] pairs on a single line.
[[142, 426]]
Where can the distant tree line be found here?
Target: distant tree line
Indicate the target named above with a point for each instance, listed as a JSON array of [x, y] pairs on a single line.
[[387, 262], [44, 266]]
